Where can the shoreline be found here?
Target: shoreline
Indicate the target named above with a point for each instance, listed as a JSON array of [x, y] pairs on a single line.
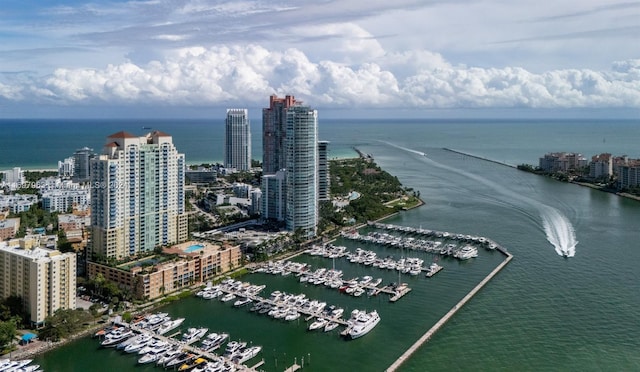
[[583, 184]]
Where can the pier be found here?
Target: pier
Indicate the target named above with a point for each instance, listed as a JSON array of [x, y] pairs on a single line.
[[407, 354]]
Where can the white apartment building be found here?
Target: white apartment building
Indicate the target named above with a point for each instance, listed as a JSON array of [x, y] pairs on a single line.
[[237, 140], [45, 279], [63, 200], [301, 153], [137, 195]]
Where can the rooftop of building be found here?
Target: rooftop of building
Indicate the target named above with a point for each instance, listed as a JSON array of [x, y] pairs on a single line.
[[35, 253]]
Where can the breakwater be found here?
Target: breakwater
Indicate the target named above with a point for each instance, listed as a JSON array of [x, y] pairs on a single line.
[[422, 340], [480, 157]]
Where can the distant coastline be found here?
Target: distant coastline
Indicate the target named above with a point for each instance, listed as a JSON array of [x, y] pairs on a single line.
[[584, 184]]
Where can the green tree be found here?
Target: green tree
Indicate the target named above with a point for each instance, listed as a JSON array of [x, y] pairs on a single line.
[[7, 333]]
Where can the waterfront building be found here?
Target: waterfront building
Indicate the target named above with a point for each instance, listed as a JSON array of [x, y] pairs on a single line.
[[301, 153], [197, 262], [64, 200], [601, 166], [13, 178], [9, 228], [274, 133], [17, 203], [45, 279], [237, 144], [137, 195], [274, 196], [66, 167], [82, 164], [562, 162], [629, 176], [324, 186]]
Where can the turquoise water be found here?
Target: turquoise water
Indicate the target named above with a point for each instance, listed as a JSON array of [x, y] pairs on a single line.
[[543, 312], [194, 248]]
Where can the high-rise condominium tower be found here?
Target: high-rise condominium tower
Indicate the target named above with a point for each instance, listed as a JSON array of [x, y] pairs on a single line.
[[137, 195], [237, 144], [301, 154], [274, 133]]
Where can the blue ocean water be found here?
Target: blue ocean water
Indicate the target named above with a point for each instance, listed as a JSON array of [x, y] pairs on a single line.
[[34, 144]]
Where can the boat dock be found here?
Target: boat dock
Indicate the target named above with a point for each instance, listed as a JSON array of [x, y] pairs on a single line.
[[193, 349], [450, 313]]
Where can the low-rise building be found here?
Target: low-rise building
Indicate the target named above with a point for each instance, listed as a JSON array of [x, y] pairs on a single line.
[[45, 279], [64, 200], [195, 262], [9, 228], [18, 203], [562, 162]]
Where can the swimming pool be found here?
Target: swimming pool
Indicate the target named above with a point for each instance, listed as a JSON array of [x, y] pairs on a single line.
[[193, 248]]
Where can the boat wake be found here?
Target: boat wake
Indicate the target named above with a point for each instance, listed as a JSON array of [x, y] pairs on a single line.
[[560, 232], [556, 226]]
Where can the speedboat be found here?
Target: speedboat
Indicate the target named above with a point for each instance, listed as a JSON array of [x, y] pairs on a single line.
[[180, 359], [191, 365], [330, 326], [319, 323]]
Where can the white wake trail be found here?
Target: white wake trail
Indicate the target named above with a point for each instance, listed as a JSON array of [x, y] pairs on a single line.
[[556, 226]]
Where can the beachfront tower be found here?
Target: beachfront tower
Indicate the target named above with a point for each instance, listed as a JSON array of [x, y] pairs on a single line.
[[301, 155], [274, 133], [137, 196], [237, 144]]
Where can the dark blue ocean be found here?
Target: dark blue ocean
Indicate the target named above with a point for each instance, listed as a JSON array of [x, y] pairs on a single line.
[[543, 312], [36, 144]]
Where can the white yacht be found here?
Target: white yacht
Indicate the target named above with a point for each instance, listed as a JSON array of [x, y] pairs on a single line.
[[227, 297], [213, 341], [169, 326], [246, 354], [154, 355], [141, 341], [433, 269], [292, 314], [242, 302], [193, 334], [233, 347], [363, 323], [167, 356], [116, 337], [466, 253]]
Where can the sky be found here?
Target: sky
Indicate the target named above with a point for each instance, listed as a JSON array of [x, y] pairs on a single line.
[[405, 58]]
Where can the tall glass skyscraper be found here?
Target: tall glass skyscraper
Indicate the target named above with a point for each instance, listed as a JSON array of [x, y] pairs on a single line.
[[237, 144], [301, 154], [137, 196]]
